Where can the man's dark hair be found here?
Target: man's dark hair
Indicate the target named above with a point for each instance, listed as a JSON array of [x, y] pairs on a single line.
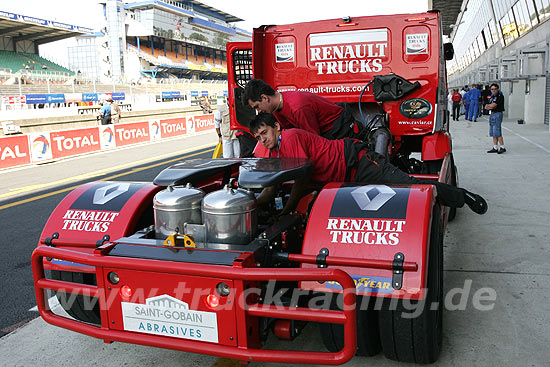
[[254, 89], [495, 85], [260, 120]]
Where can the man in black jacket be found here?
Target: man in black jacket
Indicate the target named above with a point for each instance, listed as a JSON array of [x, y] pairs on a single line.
[[495, 108]]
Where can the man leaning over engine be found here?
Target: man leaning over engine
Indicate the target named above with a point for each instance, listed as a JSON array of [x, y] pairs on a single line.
[[342, 160]]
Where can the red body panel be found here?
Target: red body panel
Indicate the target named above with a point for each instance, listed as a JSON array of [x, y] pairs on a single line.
[[80, 223], [402, 224], [115, 212], [336, 60], [436, 146]]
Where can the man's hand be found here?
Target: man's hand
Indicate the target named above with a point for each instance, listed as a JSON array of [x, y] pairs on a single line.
[[300, 185], [266, 196]]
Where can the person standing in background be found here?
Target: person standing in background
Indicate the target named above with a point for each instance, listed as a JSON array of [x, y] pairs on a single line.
[[230, 143], [456, 98], [496, 107], [464, 110], [115, 111], [472, 98], [105, 113], [450, 101], [205, 105]]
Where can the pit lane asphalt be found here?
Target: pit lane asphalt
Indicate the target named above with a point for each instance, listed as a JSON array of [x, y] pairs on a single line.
[[44, 186], [506, 250]]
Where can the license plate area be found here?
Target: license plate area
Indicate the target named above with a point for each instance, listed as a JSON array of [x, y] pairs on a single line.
[[170, 305]]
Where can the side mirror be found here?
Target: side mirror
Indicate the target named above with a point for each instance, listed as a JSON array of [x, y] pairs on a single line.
[[448, 51]]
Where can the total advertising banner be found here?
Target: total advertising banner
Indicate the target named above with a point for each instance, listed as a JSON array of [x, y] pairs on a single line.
[[190, 125], [154, 129], [137, 132], [14, 150], [107, 136], [47, 146], [41, 147], [72, 142], [204, 122], [173, 127]]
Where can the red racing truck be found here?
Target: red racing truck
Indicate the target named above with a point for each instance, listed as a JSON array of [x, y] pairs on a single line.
[[191, 263]]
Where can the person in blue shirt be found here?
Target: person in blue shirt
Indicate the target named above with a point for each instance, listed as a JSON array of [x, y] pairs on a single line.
[[105, 113], [473, 103], [465, 91]]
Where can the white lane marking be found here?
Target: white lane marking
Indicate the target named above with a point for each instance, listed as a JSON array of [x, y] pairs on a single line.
[[52, 301], [527, 140]]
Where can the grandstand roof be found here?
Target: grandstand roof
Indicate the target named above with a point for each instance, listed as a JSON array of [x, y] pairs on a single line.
[[22, 27], [227, 17], [182, 6]]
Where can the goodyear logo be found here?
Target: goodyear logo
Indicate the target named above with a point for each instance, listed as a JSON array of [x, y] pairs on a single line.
[[364, 283]]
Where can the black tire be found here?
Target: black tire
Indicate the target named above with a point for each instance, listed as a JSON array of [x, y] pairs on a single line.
[[418, 339], [82, 308], [368, 340]]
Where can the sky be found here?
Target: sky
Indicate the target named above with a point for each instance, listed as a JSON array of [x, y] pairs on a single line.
[[254, 12], [88, 13], [257, 12]]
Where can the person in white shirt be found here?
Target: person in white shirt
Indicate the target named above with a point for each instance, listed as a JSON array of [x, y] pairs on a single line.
[[230, 143]]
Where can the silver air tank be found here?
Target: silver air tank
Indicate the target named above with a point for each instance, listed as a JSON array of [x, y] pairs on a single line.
[[175, 206], [230, 216]]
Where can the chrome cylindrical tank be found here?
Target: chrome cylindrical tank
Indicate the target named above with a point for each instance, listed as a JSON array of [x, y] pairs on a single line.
[[230, 216], [175, 206]]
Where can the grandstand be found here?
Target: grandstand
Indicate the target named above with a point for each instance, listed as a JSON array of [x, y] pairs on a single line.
[[148, 51], [20, 37], [164, 39], [27, 62]]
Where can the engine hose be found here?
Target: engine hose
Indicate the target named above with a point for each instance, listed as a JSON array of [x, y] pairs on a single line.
[[382, 138], [360, 98]]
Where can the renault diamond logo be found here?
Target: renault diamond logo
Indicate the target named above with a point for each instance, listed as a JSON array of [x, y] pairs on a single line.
[[104, 194], [372, 197]]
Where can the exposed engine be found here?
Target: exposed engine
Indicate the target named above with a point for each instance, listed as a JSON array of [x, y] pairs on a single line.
[[225, 216]]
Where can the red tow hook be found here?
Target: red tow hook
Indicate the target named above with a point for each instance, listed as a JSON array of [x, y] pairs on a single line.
[[288, 329]]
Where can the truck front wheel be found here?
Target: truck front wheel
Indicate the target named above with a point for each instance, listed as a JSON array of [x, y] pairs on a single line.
[[368, 340], [411, 331], [82, 308]]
